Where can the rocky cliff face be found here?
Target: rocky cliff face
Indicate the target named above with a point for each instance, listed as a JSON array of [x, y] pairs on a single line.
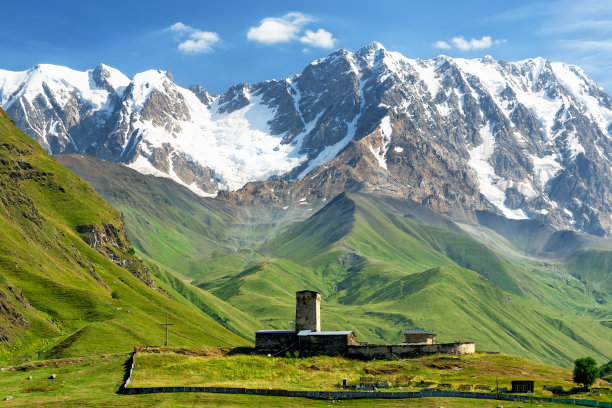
[[112, 242], [528, 139]]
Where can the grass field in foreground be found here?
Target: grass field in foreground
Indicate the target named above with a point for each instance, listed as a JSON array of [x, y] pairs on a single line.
[[93, 382], [212, 367]]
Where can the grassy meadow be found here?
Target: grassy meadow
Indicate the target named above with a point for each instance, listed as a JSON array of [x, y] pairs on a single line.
[[214, 367], [93, 381]]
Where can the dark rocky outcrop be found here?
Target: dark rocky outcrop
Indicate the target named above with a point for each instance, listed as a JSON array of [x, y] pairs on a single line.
[[111, 241]]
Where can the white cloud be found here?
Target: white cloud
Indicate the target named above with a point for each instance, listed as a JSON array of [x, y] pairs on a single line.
[[274, 30], [320, 38], [196, 42], [473, 44], [443, 45], [462, 44], [180, 28]]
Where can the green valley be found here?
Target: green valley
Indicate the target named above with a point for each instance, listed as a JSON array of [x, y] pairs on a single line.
[[382, 264]]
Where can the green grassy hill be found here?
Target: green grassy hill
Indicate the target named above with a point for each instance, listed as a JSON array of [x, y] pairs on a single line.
[[382, 271], [70, 283], [382, 264]]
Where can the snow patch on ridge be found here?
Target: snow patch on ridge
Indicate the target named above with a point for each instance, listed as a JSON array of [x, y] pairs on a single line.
[[573, 145], [427, 73], [385, 130], [144, 166], [492, 186], [330, 151]]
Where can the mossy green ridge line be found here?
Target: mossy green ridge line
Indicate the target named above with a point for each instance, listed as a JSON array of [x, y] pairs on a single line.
[[60, 296]]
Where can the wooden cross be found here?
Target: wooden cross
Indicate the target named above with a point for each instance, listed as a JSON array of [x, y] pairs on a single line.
[[167, 324]]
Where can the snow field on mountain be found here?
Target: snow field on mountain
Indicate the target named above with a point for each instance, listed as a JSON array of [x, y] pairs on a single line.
[[491, 186], [237, 146]]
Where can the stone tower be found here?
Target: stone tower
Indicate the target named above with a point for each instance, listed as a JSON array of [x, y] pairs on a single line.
[[308, 311]]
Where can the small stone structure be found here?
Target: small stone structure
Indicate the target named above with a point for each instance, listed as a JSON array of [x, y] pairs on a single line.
[[522, 386], [308, 339], [419, 336]]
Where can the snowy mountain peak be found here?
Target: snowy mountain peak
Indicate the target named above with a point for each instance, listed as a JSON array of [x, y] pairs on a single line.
[[144, 83], [110, 79], [370, 50]]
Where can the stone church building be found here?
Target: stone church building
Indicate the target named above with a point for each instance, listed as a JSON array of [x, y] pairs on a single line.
[[308, 339]]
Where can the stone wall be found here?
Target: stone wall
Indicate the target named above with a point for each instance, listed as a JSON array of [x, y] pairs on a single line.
[[346, 345], [329, 345], [268, 342], [369, 351]]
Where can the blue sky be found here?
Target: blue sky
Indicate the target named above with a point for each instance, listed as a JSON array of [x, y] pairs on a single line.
[[217, 44]]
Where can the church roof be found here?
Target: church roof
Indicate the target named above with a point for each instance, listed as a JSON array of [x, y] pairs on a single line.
[[324, 333]]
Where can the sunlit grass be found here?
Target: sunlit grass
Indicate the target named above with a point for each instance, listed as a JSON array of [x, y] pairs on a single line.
[[206, 367]]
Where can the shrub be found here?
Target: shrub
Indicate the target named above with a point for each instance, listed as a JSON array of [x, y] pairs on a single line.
[[115, 294], [585, 371]]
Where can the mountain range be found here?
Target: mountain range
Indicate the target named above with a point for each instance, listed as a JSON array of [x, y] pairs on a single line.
[[526, 140]]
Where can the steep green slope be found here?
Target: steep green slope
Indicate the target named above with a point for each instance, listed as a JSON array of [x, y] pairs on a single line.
[[358, 227], [594, 267], [170, 224], [165, 219], [69, 281]]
